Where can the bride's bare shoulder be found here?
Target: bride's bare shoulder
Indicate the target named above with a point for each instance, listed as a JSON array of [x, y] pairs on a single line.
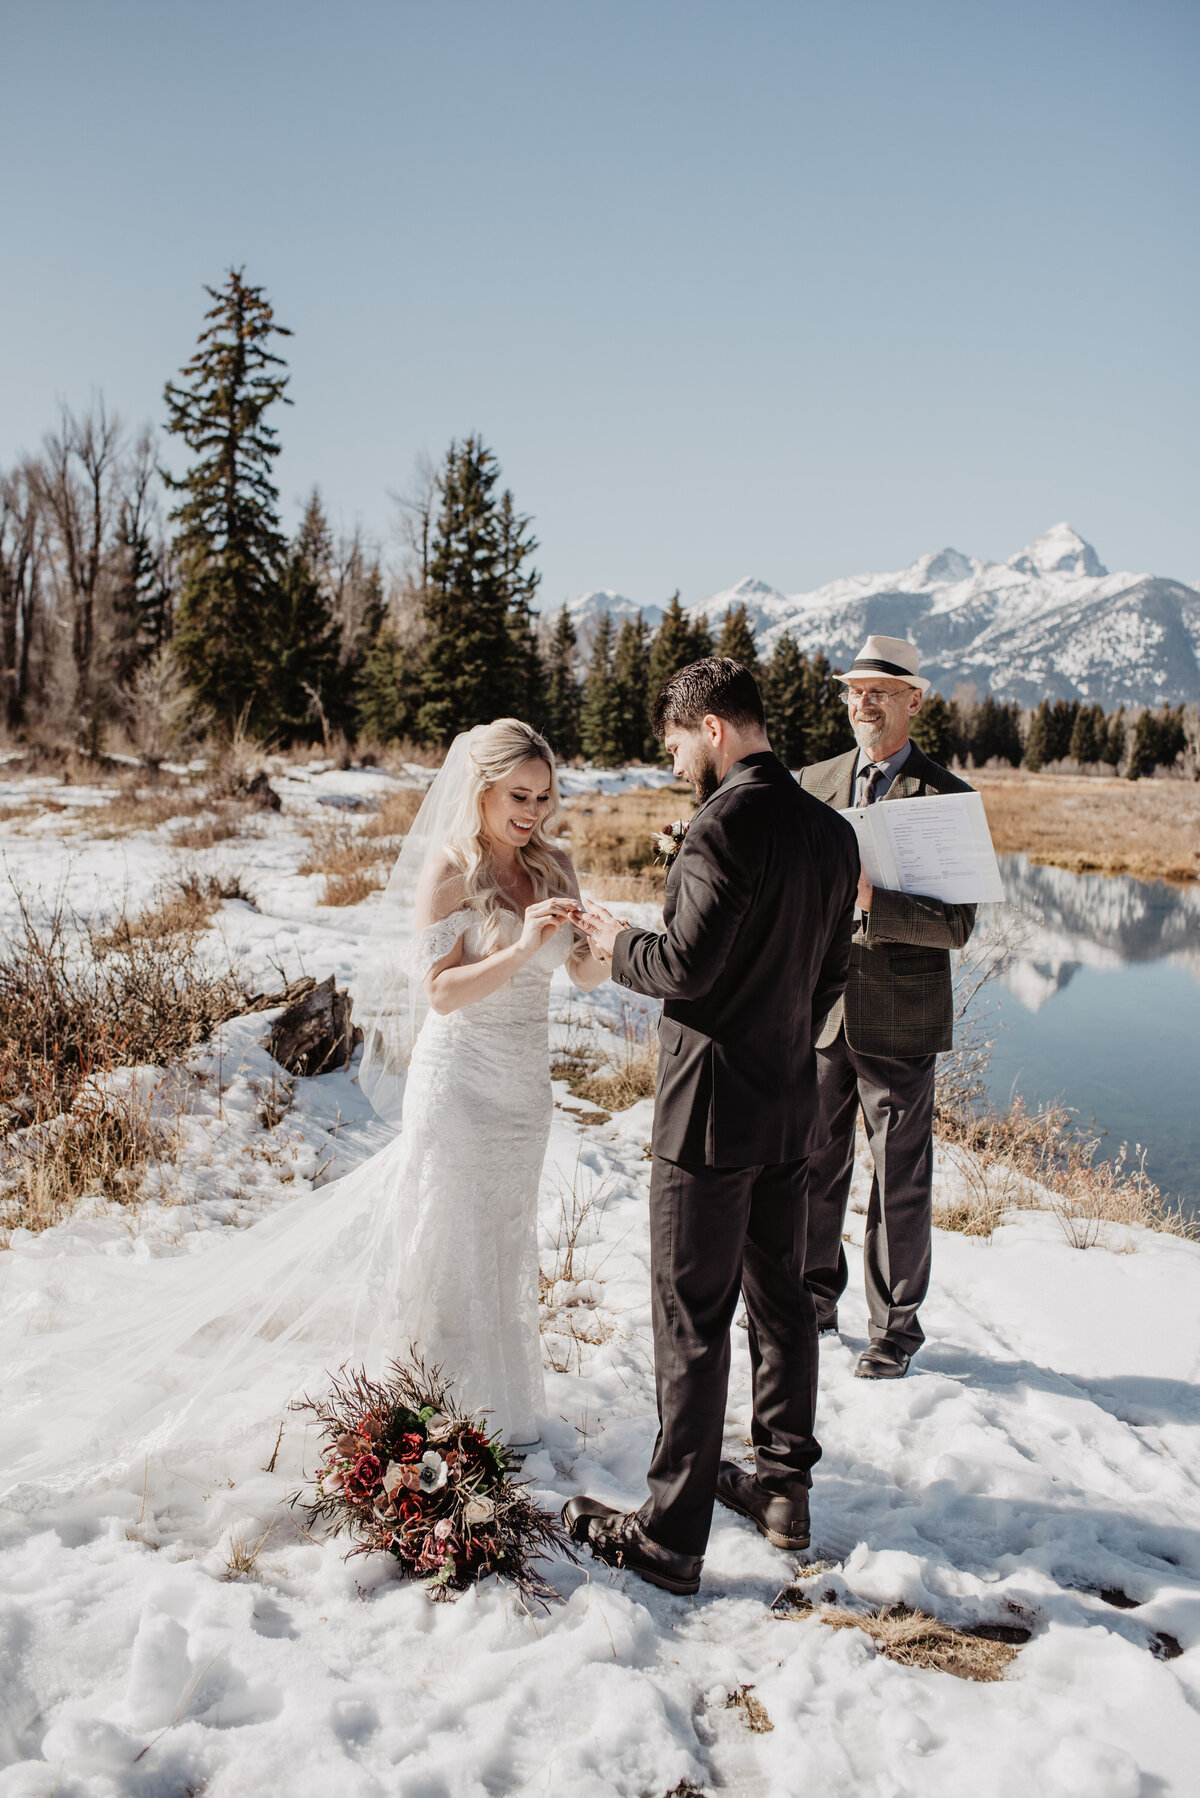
[[442, 889]]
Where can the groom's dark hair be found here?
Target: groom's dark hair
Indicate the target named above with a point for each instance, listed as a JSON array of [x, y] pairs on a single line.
[[716, 685]]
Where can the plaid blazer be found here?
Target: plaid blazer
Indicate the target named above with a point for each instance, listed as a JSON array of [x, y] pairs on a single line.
[[899, 997]]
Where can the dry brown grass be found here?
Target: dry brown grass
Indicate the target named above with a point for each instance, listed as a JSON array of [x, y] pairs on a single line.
[[207, 832], [1148, 828], [75, 1005], [353, 888], [610, 1069], [395, 814], [752, 1710], [1042, 1159], [915, 1639], [99, 1147], [608, 835]]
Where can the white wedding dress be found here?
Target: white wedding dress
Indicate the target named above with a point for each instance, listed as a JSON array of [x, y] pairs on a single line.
[[113, 1362]]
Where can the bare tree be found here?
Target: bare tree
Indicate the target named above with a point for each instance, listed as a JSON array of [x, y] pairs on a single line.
[[417, 513], [79, 487], [23, 552]]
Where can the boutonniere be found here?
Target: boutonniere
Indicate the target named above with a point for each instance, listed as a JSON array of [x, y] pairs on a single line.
[[668, 842]]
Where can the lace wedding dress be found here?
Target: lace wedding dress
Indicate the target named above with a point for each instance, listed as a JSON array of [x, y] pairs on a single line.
[[112, 1362]]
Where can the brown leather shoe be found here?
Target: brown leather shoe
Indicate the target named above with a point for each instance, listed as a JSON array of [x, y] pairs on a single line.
[[882, 1361], [783, 1521], [617, 1538]]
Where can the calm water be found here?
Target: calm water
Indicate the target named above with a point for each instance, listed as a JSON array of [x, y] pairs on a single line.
[[1100, 1006]]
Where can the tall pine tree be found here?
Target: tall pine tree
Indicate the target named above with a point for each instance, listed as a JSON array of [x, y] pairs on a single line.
[[562, 687], [599, 725], [827, 716], [229, 545], [468, 645], [737, 637], [517, 545], [934, 730], [1038, 743], [630, 679], [785, 700]]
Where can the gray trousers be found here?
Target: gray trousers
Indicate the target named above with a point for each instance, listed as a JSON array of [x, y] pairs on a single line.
[[712, 1231], [896, 1095]]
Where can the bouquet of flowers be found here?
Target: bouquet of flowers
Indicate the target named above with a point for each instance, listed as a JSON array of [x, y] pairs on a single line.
[[668, 841], [406, 1473]]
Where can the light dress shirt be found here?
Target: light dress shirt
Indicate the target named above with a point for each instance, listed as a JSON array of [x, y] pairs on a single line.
[[889, 766]]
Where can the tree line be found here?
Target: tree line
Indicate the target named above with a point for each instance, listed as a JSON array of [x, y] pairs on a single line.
[[165, 607]]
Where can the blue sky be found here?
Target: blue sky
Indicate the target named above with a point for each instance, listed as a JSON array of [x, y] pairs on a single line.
[[785, 289]]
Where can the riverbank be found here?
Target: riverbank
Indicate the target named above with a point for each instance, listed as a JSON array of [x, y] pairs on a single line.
[[1093, 825]]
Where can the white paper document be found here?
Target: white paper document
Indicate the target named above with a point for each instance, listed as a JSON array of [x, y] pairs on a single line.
[[939, 846]]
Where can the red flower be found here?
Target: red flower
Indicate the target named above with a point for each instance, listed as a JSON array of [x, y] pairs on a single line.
[[408, 1507], [410, 1447], [366, 1474]]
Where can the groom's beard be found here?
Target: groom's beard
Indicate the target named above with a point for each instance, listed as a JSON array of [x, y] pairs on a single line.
[[705, 780]]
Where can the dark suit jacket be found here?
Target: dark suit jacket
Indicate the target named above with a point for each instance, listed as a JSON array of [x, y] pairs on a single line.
[[899, 997], [757, 916]]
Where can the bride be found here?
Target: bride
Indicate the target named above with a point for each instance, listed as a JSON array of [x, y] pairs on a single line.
[[112, 1361]]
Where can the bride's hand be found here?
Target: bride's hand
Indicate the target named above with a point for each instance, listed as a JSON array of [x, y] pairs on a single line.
[[542, 919]]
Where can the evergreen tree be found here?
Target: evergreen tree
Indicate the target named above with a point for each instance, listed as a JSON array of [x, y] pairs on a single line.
[[229, 544], [562, 688], [700, 642], [673, 646], [300, 648], [1112, 747], [469, 660], [1158, 738], [934, 729], [1037, 743], [737, 638], [630, 688], [785, 699], [1063, 714], [1084, 745], [826, 712], [996, 732], [143, 600], [528, 698], [388, 689], [599, 725]]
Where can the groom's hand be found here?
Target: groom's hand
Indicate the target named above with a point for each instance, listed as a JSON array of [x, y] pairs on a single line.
[[602, 930]]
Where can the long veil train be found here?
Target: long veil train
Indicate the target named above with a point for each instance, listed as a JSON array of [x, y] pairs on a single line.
[[110, 1361]]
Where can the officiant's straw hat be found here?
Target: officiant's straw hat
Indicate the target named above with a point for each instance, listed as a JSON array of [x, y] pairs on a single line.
[[887, 655]]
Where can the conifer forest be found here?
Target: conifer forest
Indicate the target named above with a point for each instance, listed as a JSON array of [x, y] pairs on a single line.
[[147, 610]]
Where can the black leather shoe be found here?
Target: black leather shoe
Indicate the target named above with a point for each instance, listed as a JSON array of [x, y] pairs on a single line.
[[882, 1361], [783, 1521], [617, 1538]]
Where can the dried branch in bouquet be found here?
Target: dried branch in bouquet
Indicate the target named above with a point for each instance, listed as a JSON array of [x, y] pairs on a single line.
[[406, 1473]]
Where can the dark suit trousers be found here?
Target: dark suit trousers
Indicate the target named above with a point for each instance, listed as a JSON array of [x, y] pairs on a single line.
[[896, 1095], [713, 1230]]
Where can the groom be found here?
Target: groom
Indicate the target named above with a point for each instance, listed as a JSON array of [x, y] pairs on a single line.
[[757, 916]]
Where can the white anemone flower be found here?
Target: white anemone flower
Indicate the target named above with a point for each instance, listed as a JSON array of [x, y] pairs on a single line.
[[433, 1471]]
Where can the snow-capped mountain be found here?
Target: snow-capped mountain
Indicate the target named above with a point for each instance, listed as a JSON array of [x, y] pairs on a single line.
[[586, 609], [1051, 621]]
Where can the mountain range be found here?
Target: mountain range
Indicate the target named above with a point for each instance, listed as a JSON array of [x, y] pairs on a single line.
[[1051, 622]]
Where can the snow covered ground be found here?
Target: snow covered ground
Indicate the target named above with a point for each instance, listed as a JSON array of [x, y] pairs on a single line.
[[1044, 1452]]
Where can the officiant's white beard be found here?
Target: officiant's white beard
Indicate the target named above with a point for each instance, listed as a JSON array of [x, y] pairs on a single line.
[[869, 733]]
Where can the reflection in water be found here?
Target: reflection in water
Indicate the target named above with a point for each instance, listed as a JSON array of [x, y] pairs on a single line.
[[1106, 973], [1072, 921]]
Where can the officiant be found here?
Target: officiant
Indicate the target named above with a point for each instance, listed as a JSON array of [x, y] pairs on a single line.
[[879, 1045]]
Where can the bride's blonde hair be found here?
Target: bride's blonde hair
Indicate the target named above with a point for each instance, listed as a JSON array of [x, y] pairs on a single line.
[[494, 751]]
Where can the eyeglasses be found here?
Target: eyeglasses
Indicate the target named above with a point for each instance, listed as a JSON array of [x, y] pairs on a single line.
[[876, 695]]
